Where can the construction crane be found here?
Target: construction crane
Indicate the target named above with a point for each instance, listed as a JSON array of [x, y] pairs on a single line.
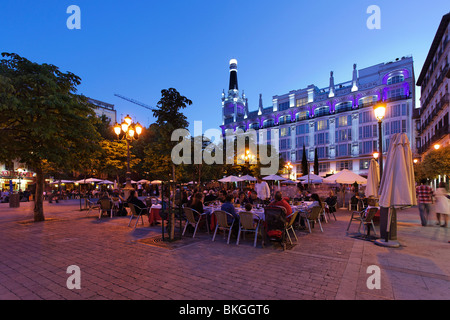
[[135, 102]]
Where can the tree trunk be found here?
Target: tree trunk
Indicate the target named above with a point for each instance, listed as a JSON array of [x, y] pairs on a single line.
[[39, 195]]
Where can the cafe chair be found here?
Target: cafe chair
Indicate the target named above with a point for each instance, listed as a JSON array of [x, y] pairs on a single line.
[[105, 206], [134, 209], [366, 219], [222, 223], [290, 225], [247, 223], [92, 206], [275, 222], [356, 216], [191, 220], [313, 216]]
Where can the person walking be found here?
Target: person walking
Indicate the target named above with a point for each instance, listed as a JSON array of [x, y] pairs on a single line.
[[442, 204], [262, 189], [424, 199]]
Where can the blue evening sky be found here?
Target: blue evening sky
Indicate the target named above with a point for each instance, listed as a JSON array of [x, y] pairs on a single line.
[[137, 48]]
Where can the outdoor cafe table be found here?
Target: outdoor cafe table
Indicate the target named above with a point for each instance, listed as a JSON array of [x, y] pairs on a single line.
[[153, 214], [257, 212]]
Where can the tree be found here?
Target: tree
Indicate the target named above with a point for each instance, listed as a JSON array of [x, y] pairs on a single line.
[[305, 165], [42, 120], [169, 118], [435, 163], [316, 162]]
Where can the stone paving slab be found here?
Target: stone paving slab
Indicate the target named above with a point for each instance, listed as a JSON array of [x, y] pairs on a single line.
[[114, 265]]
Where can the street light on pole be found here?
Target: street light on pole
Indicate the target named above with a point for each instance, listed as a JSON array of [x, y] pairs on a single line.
[[380, 111], [129, 132]]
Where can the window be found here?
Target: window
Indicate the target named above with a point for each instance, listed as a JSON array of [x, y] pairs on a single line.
[[302, 115], [284, 119], [268, 123], [324, 167], [364, 164], [285, 144], [367, 101], [322, 111], [344, 150], [367, 116], [321, 125], [395, 127], [344, 106], [321, 138], [254, 126], [302, 129], [344, 121], [395, 79], [283, 106], [341, 165], [285, 132], [322, 152], [395, 93], [343, 135], [302, 140], [367, 147], [301, 102]]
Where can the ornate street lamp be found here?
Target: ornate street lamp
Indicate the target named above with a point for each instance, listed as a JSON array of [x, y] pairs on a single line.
[[289, 167], [380, 111], [128, 131]]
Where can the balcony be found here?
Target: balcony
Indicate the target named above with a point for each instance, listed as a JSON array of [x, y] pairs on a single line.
[[396, 98], [439, 134]]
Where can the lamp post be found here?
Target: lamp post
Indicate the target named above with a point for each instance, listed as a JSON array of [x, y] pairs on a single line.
[[129, 131], [380, 111], [289, 167]]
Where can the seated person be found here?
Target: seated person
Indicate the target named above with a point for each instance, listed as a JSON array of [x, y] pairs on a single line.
[[140, 206], [248, 207], [316, 202], [228, 206], [197, 204], [222, 196], [354, 202], [254, 200], [331, 201], [210, 196], [242, 200], [280, 202]]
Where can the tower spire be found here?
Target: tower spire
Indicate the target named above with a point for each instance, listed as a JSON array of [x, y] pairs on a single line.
[[233, 75]]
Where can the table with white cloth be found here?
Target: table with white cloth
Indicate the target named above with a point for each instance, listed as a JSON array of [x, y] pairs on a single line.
[[153, 214]]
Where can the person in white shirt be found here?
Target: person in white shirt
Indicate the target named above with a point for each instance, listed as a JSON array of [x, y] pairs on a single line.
[[262, 189]]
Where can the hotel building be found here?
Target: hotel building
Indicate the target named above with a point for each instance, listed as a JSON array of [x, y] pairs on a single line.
[[337, 120], [432, 120]]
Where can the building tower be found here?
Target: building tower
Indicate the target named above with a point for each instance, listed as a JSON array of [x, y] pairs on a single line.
[[234, 106]]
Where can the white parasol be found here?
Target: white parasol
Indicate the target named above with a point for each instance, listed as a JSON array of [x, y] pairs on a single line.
[[274, 177], [106, 182], [397, 187], [345, 177], [90, 180], [231, 179], [373, 179], [248, 178], [156, 182]]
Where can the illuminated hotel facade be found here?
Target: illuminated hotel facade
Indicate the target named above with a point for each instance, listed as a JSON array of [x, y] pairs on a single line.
[[337, 120]]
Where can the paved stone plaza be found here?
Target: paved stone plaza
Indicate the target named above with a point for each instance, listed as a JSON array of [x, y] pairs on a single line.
[[34, 258]]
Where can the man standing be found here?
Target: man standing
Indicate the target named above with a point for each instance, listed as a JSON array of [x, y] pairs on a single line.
[[424, 199], [262, 189]]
